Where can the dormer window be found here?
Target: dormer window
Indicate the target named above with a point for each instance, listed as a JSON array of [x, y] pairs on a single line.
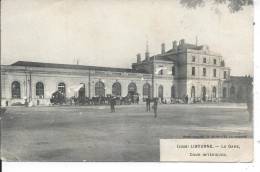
[[161, 72], [173, 70]]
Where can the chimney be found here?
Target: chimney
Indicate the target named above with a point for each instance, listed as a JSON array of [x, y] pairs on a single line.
[[174, 45], [182, 42], [163, 48], [138, 58], [147, 55]]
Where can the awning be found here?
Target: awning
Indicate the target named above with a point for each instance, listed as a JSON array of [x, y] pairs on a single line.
[[76, 88]]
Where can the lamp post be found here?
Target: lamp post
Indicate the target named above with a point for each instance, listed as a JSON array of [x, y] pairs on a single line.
[[153, 76], [89, 84], [30, 86]]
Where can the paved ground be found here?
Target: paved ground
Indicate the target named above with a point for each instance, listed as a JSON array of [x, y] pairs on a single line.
[[94, 134]]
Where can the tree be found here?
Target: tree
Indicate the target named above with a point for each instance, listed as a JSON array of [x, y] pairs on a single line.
[[233, 5]]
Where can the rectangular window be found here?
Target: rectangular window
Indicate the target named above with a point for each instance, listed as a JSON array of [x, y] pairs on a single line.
[[204, 60], [204, 72], [193, 58], [215, 61], [193, 71], [214, 72], [173, 70], [225, 74]]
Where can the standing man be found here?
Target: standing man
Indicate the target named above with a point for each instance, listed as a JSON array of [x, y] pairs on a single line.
[[155, 106], [186, 99], [148, 104], [113, 104]]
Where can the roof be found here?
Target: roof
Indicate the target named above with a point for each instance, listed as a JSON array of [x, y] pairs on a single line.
[[69, 66], [188, 46], [163, 57], [241, 77], [192, 46]]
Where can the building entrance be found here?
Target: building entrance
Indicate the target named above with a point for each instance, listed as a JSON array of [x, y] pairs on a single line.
[[204, 93]]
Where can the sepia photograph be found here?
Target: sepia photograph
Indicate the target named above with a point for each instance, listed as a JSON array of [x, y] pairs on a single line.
[[127, 81]]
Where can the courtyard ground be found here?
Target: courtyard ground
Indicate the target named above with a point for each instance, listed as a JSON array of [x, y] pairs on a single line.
[[86, 133]]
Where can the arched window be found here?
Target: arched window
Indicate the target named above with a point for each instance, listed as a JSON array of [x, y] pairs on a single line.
[[116, 89], [173, 92], [146, 90], [62, 88], [214, 92], [173, 70], [224, 92], [16, 90], [193, 94], [203, 91], [40, 90], [100, 89], [132, 89], [82, 92], [160, 91], [232, 90]]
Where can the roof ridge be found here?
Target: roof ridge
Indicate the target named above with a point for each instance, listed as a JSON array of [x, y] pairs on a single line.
[[72, 66]]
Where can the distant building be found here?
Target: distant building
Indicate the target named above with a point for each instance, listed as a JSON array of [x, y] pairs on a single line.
[[241, 88], [185, 69]]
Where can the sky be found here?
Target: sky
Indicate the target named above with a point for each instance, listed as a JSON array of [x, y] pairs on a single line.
[[111, 33]]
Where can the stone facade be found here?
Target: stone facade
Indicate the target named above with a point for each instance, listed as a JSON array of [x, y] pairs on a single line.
[[184, 70], [28, 77], [197, 72]]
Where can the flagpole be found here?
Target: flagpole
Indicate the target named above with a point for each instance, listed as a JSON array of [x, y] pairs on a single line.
[[89, 84], [153, 77]]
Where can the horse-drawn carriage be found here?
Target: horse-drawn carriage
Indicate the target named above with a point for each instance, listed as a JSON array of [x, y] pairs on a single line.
[[58, 98]]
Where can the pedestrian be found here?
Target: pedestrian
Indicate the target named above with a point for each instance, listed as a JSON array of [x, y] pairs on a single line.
[[112, 104], [186, 99], [155, 106], [148, 101]]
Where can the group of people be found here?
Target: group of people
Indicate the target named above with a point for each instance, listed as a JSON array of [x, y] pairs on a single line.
[[148, 105]]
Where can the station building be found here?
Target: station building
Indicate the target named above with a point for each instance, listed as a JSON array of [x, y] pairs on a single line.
[[184, 70]]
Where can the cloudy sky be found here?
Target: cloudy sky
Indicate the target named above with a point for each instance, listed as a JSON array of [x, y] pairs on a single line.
[[111, 33]]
